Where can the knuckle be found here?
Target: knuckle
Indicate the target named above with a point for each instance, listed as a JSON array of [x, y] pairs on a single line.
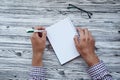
[[88, 38], [79, 47], [92, 39], [83, 39]]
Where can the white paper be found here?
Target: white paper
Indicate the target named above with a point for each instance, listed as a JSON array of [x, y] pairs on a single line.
[[61, 37]]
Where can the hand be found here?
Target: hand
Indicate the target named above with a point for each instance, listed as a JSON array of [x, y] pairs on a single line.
[[38, 46], [86, 46]]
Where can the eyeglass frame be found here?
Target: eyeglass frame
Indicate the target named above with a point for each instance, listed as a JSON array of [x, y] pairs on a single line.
[[73, 6]]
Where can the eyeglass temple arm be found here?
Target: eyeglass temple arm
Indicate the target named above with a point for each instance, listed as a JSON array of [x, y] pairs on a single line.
[[80, 9]]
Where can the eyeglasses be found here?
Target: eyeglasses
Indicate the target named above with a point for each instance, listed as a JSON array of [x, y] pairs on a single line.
[[84, 13]]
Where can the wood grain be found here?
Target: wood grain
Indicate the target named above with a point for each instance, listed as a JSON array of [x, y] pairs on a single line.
[[16, 16]]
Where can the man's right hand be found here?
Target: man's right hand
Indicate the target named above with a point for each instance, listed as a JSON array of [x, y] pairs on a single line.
[[85, 45]]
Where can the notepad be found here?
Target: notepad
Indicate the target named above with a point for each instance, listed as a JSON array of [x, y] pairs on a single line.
[[61, 36]]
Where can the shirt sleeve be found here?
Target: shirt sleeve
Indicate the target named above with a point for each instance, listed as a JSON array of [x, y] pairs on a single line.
[[37, 73], [99, 72]]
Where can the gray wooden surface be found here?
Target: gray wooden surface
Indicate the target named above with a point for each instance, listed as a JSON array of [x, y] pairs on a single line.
[[16, 16]]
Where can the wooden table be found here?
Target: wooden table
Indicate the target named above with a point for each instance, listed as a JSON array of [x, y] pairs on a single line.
[[16, 16]]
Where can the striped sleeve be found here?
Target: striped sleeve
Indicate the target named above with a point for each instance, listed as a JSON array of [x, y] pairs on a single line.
[[37, 73], [99, 72]]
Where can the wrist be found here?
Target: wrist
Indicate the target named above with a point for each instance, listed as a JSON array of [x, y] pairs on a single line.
[[92, 61], [37, 54]]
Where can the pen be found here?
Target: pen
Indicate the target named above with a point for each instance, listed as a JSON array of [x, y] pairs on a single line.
[[32, 30]]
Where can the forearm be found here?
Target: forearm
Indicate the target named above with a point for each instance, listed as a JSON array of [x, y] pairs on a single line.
[[99, 72], [37, 59], [37, 70]]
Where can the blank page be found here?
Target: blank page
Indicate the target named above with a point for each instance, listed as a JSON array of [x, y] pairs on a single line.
[[61, 37]]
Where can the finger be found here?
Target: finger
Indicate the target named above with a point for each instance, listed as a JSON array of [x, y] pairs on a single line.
[[76, 40], [44, 34], [39, 28], [34, 36], [81, 32], [90, 36], [86, 33]]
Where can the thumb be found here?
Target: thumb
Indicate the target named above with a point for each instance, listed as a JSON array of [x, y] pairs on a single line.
[[44, 34]]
